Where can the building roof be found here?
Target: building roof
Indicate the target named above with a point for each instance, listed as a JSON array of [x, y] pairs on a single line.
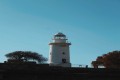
[[60, 35]]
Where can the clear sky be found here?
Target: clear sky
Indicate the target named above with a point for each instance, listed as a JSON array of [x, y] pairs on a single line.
[[92, 26]]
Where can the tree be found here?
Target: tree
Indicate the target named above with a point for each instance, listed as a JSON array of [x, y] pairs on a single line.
[[112, 59], [98, 62], [109, 60], [25, 56]]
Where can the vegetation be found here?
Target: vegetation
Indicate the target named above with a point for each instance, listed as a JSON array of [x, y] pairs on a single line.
[[109, 60], [25, 56]]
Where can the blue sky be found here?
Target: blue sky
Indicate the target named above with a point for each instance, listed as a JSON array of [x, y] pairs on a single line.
[[92, 26]]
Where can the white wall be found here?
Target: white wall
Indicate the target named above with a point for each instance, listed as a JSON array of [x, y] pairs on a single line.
[[56, 54]]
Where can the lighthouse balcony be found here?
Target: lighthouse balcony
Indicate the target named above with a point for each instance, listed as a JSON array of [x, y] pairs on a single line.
[[62, 44]]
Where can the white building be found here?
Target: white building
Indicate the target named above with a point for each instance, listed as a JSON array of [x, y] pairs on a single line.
[[59, 54]]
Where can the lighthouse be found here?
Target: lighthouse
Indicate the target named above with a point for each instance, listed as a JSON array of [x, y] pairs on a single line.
[[59, 54]]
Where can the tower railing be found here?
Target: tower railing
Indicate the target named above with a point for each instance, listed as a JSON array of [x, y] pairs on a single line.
[[60, 42]]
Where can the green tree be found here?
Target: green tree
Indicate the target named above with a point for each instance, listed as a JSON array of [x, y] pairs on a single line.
[[109, 60], [25, 56]]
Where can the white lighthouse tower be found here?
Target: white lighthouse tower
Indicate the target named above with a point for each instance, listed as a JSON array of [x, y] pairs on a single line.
[[59, 54]]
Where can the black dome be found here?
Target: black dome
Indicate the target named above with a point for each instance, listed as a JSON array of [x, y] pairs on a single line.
[[60, 35]]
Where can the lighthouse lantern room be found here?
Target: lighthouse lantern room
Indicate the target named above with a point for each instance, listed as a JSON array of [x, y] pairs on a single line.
[[59, 54]]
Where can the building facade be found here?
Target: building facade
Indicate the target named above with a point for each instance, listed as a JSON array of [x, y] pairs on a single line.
[[59, 53]]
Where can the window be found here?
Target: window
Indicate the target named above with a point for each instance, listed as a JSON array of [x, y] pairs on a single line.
[[63, 53], [63, 60]]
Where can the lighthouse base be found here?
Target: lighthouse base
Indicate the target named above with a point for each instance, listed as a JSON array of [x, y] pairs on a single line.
[[62, 65]]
